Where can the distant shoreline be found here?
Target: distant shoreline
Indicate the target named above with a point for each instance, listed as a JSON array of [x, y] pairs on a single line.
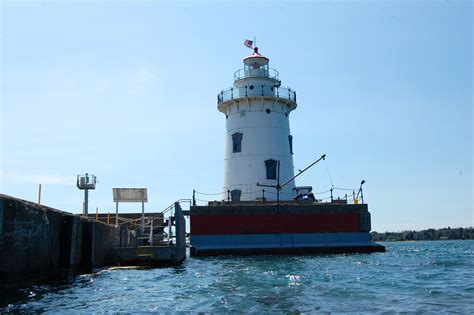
[[425, 235]]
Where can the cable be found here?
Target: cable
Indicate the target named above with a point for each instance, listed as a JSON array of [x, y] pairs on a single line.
[[344, 189], [323, 192], [210, 194], [227, 191], [329, 174], [203, 200]]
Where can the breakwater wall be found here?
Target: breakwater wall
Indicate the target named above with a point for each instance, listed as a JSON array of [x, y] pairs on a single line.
[[42, 243]]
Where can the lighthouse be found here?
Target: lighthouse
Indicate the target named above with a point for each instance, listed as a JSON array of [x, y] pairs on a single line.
[[258, 141], [259, 173]]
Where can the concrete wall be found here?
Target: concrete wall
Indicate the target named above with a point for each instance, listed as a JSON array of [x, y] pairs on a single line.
[[106, 239], [38, 243], [71, 244], [29, 243]]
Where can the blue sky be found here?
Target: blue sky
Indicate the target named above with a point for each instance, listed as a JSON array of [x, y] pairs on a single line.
[[127, 91]]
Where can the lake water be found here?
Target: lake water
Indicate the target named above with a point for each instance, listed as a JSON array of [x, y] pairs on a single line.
[[409, 277]]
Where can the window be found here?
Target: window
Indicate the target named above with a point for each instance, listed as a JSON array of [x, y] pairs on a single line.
[[271, 166], [290, 139], [236, 142], [235, 195]]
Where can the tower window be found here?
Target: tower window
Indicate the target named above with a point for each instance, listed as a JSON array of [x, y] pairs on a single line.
[[236, 142], [290, 140], [235, 195], [271, 166]]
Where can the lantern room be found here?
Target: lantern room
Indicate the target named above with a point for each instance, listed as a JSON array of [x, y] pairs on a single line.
[[256, 66]]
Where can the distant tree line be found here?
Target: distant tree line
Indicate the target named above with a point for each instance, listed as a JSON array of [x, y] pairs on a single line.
[[425, 235]]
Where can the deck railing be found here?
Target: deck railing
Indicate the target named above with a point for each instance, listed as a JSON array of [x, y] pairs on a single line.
[[259, 90], [256, 73]]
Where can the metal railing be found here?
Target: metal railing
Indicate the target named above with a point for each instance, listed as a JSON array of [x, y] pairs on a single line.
[[170, 210], [171, 206], [256, 73], [259, 90]]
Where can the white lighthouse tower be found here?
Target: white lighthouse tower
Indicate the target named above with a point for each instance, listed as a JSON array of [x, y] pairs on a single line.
[[258, 142]]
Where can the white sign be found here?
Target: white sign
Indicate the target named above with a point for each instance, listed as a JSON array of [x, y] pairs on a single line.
[[130, 194]]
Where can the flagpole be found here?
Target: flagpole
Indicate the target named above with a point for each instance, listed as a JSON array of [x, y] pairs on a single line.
[[254, 41]]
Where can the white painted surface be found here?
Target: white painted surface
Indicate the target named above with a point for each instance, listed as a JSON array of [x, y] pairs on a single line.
[[265, 136]]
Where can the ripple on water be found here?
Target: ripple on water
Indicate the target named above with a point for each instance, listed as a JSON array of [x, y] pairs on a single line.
[[409, 277]]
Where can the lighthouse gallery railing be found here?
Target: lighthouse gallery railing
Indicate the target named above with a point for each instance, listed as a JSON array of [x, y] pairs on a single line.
[[256, 73], [259, 90]]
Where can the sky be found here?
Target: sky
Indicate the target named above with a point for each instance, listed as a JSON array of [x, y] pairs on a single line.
[[127, 91]]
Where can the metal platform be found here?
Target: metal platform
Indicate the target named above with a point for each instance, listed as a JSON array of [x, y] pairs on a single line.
[[150, 255], [152, 246]]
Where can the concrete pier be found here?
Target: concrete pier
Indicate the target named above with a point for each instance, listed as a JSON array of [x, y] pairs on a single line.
[[41, 243]]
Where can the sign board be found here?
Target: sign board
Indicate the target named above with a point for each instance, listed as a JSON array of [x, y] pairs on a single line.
[[130, 194]]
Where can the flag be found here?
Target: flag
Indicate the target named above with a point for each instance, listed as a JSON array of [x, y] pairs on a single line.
[[248, 43]]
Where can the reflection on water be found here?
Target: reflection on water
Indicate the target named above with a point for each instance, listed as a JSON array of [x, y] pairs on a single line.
[[409, 277]]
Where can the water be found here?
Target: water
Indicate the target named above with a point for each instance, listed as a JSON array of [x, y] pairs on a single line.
[[409, 277]]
